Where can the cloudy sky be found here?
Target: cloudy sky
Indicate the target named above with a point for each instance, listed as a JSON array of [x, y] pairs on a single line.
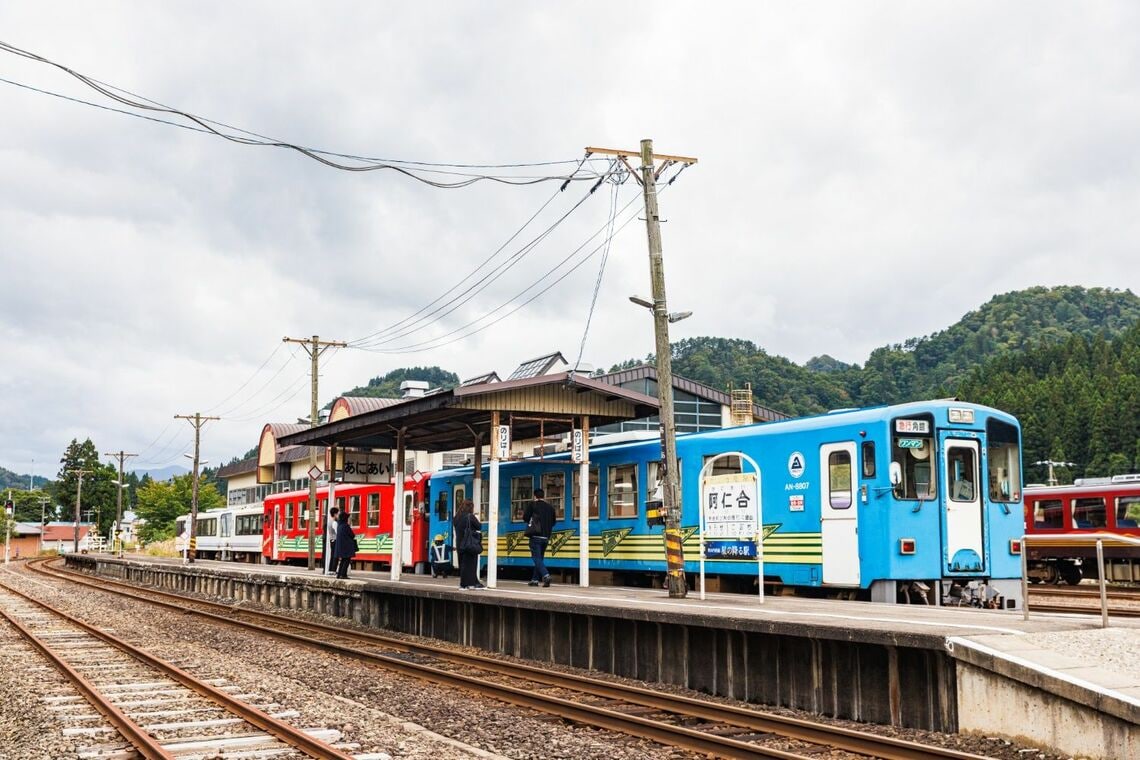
[[868, 172]]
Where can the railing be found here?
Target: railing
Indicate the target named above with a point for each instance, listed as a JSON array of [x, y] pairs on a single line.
[[1070, 538]]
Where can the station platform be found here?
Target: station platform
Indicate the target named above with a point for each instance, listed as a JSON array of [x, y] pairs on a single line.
[[1060, 682]]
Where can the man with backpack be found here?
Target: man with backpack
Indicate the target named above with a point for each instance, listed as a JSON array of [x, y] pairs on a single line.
[[539, 517]]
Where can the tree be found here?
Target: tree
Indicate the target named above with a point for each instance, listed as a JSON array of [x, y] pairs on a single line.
[[161, 502], [99, 489]]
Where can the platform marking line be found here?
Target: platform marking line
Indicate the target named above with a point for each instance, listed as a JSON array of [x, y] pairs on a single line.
[[953, 641]]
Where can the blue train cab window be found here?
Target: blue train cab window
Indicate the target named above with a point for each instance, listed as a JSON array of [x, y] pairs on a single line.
[[839, 479], [911, 447], [554, 484], [1128, 511], [868, 451], [1003, 461], [373, 510], [1048, 514], [441, 506], [621, 491], [1088, 513], [522, 493], [577, 501]]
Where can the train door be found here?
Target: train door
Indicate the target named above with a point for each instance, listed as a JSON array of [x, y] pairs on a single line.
[[962, 497], [275, 532], [406, 544], [839, 515]]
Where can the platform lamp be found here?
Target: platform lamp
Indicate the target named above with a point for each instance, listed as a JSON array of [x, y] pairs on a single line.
[[674, 553]]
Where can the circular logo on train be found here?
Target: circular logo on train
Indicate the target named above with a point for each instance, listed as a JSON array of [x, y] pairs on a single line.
[[796, 464]]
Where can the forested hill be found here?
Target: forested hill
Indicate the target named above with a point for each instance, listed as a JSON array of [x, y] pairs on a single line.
[[388, 386], [927, 367]]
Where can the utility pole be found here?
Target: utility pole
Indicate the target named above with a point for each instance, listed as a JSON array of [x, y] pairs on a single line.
[[1052, 480], [315, 347], [120, 455], [78, 496], [674, 554], [197, 420], [44, 501], [8, 516]]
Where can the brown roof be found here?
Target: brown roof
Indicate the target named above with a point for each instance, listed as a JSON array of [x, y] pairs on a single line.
[[445, 421], [359, 404], [243, 467], [66, 532], [643, 371]]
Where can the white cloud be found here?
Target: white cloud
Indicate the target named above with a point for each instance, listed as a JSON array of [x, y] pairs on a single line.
[[868, 173]]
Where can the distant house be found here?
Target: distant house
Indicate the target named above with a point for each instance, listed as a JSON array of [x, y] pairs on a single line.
[[60, 537], [25, 540]]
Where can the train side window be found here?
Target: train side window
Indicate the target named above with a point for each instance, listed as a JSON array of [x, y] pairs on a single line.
[[839, 479], [1088, 513], [554, 483], [1048, 514], [1128, 511], [576, 496], [731, 465], [354, 510], [289, 516], [522, 493], [374, 510], [1003, 461], [621, 491], [441, 506], [868, 459], [409, 505]]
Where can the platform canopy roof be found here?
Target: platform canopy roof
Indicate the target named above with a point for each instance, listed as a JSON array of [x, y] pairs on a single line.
[[449, 420]]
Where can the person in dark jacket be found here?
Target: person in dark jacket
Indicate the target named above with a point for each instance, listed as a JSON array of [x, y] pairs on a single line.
[[541, 510], [465, 522], [345, 547]]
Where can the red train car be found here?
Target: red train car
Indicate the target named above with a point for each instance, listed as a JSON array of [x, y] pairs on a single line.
[[1091, 505], [285, 531]]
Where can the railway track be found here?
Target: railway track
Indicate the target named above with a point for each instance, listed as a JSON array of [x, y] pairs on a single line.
[[145, 706], [709, 727], [1124, 602]]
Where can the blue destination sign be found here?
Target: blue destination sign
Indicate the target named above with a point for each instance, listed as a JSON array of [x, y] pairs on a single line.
[[730, 550]]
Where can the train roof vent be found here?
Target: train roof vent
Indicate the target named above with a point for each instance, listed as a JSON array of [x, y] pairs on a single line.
[[1130, 478], [845, 409]]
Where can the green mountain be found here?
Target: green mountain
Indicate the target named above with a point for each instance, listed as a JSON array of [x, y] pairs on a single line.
[[388, 386]]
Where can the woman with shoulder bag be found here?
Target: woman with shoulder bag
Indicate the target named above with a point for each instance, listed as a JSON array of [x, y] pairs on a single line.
[[345, 547], [469, 540]]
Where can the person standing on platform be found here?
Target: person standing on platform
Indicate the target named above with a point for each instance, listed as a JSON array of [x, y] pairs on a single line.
[[539, 517], [330, 541], [345, 548], [469, 540]]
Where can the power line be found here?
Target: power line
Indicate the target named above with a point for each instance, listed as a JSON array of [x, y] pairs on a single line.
[[601, 272], [327, 158], [474, 289]]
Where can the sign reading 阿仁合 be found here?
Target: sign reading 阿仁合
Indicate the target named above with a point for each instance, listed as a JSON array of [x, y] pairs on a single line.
[[728, 505]]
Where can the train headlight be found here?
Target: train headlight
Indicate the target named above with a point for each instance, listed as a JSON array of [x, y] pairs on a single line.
[[1015, 546], [907, 546]]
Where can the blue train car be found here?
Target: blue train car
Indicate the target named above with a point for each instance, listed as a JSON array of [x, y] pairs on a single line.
[[917, 502]]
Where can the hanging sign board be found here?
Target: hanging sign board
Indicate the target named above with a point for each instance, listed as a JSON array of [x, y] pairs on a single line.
[[577, 447], [503, 442], [366, 467]]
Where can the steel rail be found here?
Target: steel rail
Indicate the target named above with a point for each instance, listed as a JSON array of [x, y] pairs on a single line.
[[146, 744], [1128, 612], [888, 748], [281, 730]]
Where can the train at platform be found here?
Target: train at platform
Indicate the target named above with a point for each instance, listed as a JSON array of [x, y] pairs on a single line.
[[285, 536], [276, 531], [911, 503], [1108, 506]]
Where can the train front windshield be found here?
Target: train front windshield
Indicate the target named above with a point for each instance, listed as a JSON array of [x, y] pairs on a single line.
[[1003, 455]]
